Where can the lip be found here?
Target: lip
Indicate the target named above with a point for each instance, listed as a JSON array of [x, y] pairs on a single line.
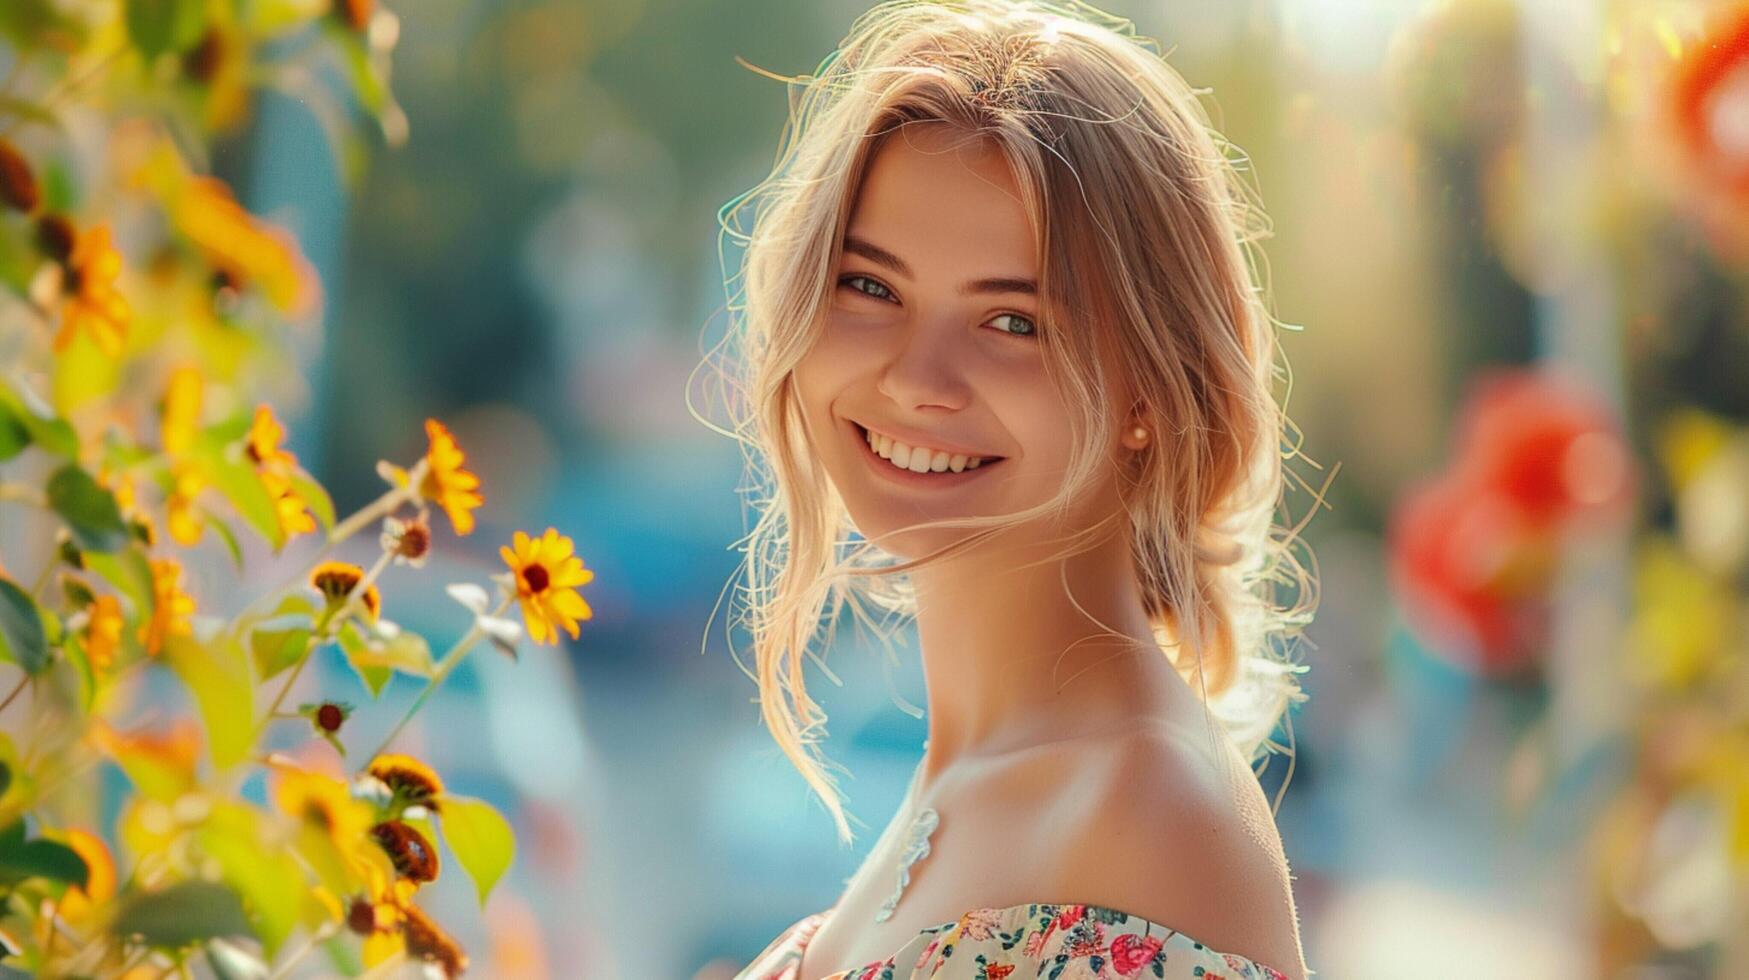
[[885, 468]]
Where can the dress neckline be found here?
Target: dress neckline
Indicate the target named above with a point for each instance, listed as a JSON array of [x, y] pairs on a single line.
[[1064, 914]]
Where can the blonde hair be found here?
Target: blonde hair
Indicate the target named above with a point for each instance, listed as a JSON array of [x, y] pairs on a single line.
[[1145, 228]]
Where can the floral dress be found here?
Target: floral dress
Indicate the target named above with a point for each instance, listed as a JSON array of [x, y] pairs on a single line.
[[1026, 942]]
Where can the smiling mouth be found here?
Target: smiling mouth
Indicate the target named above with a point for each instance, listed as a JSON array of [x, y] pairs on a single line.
[[923, 461]]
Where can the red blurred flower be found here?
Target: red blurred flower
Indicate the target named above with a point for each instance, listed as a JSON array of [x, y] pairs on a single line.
[[1547, 444], [1473, 552], [1470, 570], [1711, 105]]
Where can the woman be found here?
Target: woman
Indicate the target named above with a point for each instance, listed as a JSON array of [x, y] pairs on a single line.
[[1004, 367]]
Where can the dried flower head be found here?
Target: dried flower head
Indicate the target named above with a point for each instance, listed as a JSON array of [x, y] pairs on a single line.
[[18, 186], [356, 13], [428, 942], [335, 580], [55, 236], [408, 540], [412, 855], [412, 781]]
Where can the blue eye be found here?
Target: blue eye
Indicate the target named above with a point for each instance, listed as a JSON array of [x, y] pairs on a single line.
[[884, 292], [1025, 328]]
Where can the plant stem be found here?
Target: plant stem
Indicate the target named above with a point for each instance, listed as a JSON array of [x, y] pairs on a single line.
[[333, 614], [383, 505], [316, 937], [21, 682], [452, 658], [48, 572], [23, 493]]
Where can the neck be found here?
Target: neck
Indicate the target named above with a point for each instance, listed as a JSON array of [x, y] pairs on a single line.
[[1019, 651]]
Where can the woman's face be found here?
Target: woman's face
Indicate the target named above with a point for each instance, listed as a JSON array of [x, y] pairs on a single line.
[[931, 343]]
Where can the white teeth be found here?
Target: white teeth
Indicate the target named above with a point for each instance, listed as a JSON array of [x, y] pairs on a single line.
[[919, 459]]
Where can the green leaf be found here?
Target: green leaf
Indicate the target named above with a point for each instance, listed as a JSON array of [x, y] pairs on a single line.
[[129, 572], [88, 509], [269, 880], [219, 675], [27, 22], [266, 18], [21, 629], [313, 494], [80, 659], [228, 430], [480, 838], [241, 485], [228, 536], [21, 859], [184, 913], [280, 640], [13, 435], [360, 658], [406, 652], [367, 85], [157, 26], [27, 111], [51, 433], [83, 372]]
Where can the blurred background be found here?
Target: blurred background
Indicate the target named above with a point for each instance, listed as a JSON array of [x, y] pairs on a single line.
[[1512, 236]]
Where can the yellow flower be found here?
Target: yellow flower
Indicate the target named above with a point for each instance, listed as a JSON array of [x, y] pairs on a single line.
[[103, 633], [265, 434], [547, 573], [324, 803], [121, 485], [78, 903], [377, 916], [333, 828], [93, 303], [275, 466], [291, 509], [181, 417], [408, 778], [245, 247], [171, 606], [336, 580], [181, 514], [446, 482]]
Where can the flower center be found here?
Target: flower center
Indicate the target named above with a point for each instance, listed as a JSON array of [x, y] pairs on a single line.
[[536, 577]]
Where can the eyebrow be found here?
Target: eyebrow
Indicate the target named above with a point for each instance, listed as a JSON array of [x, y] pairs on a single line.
[[996, 284]]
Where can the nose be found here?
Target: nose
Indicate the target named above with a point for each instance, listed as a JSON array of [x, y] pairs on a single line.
[[924, 370]]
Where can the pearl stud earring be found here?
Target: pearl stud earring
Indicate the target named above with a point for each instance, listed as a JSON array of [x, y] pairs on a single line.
[[1140, 432]]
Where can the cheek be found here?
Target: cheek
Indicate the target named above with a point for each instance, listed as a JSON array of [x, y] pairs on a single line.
[[1041, 425], [822, 375]]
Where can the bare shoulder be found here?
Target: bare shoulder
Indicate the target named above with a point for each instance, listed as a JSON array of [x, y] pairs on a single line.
[[1177, 830]]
